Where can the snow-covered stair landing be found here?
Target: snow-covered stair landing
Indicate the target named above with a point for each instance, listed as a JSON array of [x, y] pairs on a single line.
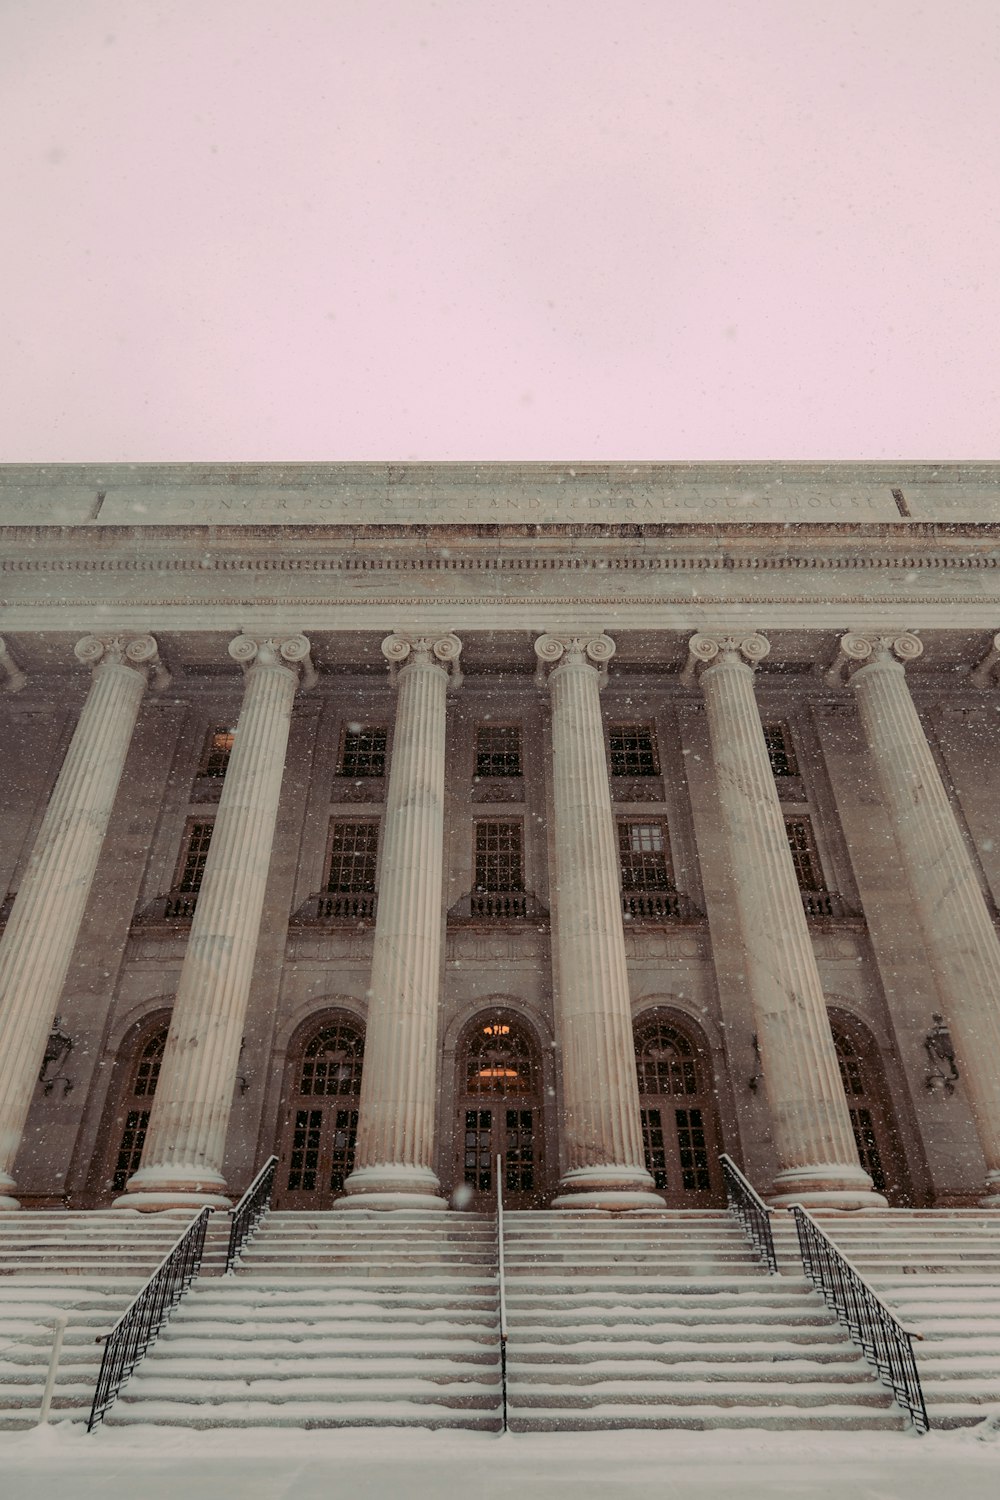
[[939, 1271], [89, 1265], [668, 1320], [335, 1320]]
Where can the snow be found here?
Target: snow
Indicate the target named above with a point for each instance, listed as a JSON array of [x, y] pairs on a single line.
[[155, 1464]]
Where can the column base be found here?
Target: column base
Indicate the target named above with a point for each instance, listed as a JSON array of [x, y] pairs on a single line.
[[847, 1187], [153, 1189], [617, 1189], [990, 1199], [8, 1187], [389, 1187]]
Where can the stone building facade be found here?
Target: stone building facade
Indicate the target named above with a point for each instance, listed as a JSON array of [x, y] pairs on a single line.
[[602, 819]]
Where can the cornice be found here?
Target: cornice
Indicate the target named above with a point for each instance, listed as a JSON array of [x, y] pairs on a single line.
[[528, 562]]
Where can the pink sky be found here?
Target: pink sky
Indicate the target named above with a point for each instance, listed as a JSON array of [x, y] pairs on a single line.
[[536, 229]]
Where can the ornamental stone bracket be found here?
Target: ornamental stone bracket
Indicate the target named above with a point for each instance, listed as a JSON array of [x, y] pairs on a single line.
[[554, 651], [140, 652], [16, 678], [858, 649], [443, 651], [710, 650], [290, 651]]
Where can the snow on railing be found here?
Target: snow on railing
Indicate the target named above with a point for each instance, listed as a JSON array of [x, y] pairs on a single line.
[[502, 1279], [746, 1205]]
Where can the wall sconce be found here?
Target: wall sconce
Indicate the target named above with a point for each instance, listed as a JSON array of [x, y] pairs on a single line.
[[754, 1083], [940, 1054], [57, 1050]]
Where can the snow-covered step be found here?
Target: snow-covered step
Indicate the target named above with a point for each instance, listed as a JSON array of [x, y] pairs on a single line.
[[367, 1320], [669, 1321], [938, 1270]]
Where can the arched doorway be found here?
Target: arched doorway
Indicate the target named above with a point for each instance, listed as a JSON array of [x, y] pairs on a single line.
[[679, 1120], [130, 1101], [320, 1117], [500, 1110], [876, 1135]]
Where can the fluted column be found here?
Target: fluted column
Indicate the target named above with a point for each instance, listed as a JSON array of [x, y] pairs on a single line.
[[602, 1132], [958, 933], [41, 933], [185, 1141], [817, 1155], [395, 1143]]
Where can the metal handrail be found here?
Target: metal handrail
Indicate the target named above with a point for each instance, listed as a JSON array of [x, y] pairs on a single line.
[[502, 1278], [746, 1205], [139, 1324], [247, 1214], [879, 1333]]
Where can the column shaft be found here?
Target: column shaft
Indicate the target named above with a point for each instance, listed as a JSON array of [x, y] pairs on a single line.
[[395, 1143], [959, 936], [814, 1141], [602, 1134], [185, 1141], [41, 933]]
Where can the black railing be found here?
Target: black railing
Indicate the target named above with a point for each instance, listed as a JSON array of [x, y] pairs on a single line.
[[145, 1315], [502, 1286], [250, 1210], [825, 904], [175, 906], [658, 906], [498, 906], [337, 907], [879, 1333], [746, 1205]]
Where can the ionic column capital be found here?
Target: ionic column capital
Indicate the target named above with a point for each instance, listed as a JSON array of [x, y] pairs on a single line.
[[140, 652], [864, 648], [404, 647], [556, 651], [713, 650], [289, 652]]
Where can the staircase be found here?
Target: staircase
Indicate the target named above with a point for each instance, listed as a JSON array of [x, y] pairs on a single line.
[[89, 1265], [938, 1270], [335, 1320], [667, 1320]]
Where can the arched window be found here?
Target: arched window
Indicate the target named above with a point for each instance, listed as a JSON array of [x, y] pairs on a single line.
[[142, 1086], [677, 1111], [665, 1059], [323, 1081], [872, 1120], [331, 1063], [500, 1058], [500, 1113]]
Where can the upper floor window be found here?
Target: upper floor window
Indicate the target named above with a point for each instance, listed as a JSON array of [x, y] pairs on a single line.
[[645, 856], [362, 751], [498, 750], [499, 861], [632, 750], [805, 856], [353, 856], [218, 748], [780, 750], [197, 837]]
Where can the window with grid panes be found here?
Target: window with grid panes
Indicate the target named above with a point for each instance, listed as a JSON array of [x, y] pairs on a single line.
[[499, 864], [362, 752], [197, 836], [632, 750], [805, 858], [644, 855], [498, 750], [218, 748], [353, 856], [780, 750]]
